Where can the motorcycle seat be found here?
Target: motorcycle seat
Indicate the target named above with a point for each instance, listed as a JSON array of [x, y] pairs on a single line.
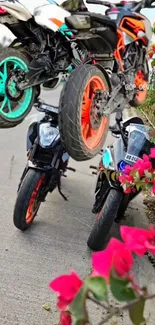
[[87, 20]]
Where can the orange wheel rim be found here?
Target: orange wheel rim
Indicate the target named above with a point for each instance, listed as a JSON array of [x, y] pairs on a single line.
[[33, 203], [141, 83], [90, 135]]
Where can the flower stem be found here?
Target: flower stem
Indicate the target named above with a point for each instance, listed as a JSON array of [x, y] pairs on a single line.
[[119, 310], [107, 307]]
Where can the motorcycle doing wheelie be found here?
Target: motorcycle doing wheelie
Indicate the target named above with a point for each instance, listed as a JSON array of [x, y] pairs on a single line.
[[42, 54], [119, 75], [110, 200], [46, 165]]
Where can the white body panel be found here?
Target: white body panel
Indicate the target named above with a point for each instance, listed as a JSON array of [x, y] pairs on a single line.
[[16, 9], [42, 10], [44, 14]]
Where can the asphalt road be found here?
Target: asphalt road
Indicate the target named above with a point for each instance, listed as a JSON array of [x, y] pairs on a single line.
[[55, 243]]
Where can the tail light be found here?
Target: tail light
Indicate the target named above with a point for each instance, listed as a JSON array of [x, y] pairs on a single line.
[[3, 11]]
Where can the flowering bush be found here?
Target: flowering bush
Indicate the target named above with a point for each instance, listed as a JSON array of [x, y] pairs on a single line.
[[112, 268], [111, 271], [151, 52], [140, 175]]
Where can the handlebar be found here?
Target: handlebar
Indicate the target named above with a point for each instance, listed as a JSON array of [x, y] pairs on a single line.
[[137, 5], [100, 2]]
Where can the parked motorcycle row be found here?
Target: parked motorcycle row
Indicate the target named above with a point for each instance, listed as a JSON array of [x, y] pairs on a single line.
[[96, 56]]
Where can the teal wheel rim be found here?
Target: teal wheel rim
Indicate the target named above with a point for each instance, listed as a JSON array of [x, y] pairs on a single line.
[[9, 109]]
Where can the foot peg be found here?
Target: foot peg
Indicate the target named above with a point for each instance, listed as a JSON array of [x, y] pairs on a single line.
[[93, 167], [72, 169]]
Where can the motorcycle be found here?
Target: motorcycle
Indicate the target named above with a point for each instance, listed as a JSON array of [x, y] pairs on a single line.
[[46, 165], [110, 200], [119, 75], [43, 53]]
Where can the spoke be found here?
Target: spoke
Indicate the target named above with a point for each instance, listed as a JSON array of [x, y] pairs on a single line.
[[93, 133], [9, 105], [5, 70], [16, 65], [2, 92], [85, 116], [1, 75]]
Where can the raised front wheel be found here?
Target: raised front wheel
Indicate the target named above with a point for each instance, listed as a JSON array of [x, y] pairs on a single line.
[[83, 130]]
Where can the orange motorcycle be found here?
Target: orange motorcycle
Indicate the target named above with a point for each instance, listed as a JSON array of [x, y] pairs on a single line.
[[117, 73]]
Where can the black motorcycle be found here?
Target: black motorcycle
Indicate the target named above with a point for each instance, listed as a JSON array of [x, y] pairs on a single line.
[[110, 200], [47, 163]]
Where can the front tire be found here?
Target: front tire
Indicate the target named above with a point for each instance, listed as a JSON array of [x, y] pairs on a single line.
[[82, 130], [14, 104], [28, 199], [105, 219]]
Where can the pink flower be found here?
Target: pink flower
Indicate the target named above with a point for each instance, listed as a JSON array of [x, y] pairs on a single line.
[[139, 240], [143, 164], [128, 170], [67, 287], [125, 179], [65, 318], [153, 188], [115, 255], [128, 190], [152, 154]]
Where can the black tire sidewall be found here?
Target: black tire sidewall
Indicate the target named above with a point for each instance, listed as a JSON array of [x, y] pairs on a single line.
[[102, 226], [27, 187]]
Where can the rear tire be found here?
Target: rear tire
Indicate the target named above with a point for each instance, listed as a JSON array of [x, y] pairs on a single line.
[[12, 57], [80, 137], [28, 199], [105, 219]]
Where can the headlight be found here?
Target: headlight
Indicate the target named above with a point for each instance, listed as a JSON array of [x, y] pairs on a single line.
[[47, 134]]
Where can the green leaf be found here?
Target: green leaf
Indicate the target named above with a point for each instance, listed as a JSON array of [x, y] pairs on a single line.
[[148, 174], [98, 287], [138, 186], [136, 312], [78, 306], [121, 290]]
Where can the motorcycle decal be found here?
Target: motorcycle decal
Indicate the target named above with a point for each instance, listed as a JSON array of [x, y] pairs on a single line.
[[56, 22], [133, 28], [120, 48]]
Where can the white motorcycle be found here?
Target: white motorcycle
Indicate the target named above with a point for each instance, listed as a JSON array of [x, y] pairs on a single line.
[[44, 52]]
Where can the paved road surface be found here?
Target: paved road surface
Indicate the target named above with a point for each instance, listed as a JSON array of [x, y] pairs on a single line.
[[55, 244]]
